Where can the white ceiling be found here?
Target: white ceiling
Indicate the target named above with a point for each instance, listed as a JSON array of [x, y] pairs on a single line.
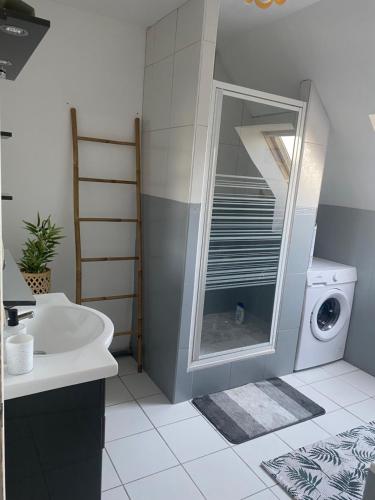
[[235, 15], [141, 12]]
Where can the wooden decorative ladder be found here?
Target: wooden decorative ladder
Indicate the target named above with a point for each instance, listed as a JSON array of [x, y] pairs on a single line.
[[78, 220]]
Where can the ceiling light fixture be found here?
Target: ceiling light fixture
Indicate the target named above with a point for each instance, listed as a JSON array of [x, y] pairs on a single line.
[[13, 30], [265, 4]]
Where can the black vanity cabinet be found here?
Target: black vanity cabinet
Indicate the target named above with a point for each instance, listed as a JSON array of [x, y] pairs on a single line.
[[54, 442]]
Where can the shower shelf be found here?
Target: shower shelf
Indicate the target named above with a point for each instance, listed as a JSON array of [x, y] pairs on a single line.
[[245, 235]]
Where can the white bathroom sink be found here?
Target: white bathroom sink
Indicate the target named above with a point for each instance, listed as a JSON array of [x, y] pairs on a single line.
[[61, 328], [71, 347]]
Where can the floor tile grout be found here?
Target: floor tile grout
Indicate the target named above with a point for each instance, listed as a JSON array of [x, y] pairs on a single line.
[[113, 465], [178, 460], [228, 445]]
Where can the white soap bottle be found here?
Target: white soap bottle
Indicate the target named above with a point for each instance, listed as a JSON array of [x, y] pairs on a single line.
[[240, 314], [14, 327]]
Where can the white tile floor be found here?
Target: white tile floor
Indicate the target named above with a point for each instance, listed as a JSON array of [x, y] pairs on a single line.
[[158, 451]]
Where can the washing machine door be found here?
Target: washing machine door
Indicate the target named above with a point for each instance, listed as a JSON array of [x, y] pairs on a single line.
[[330, 314]]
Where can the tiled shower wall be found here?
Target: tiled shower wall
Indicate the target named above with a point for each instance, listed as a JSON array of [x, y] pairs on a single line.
[[180, 58], [178, 78], [347, 235]]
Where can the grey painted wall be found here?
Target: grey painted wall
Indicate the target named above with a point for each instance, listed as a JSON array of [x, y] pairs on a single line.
[[347, 235]]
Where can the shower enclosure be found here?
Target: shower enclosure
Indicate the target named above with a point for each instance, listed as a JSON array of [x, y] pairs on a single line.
[[251, 178]]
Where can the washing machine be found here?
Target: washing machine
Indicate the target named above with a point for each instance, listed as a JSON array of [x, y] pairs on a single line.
[[328, 305]]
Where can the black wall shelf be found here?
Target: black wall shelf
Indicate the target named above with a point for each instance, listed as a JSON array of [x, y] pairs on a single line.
[[6, 135]]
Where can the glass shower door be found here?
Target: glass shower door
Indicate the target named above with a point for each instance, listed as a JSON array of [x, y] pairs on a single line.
[[255, 156]]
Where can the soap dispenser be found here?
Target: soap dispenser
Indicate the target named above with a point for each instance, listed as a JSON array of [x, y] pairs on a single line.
[[14, 326]]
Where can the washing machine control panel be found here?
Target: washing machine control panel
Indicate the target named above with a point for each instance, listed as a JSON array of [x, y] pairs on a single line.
[[324, 277]]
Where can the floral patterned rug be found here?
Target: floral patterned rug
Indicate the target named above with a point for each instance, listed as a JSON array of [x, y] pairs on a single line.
[[334, 469]]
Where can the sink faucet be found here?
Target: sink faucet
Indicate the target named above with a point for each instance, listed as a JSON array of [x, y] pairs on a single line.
[[14, 316]]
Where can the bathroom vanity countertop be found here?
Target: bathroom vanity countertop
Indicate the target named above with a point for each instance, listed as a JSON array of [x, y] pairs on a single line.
[[86, 363]]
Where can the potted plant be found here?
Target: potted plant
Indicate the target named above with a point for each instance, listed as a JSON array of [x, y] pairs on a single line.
[[38, 251]]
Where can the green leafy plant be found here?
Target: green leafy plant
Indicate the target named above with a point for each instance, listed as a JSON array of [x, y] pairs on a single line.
[[40, 247]]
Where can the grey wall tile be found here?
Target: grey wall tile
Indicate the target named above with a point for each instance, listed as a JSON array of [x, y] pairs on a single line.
[[183, 389], [188, 291], [292, 301], [164, 245], [211, 380], [246, 371], [282, 362]]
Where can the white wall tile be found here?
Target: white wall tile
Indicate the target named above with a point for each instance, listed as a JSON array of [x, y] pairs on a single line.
[[165, 35], [150, 43], [157, 95], [211, 20], [185, 85], [312, 168], [148, 96], [189, 23], [206, 74], [180, 164], [155, 162], [317, 122], [199, 163]]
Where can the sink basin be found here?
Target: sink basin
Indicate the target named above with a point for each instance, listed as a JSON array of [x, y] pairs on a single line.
[[71, 345], [61, 328]]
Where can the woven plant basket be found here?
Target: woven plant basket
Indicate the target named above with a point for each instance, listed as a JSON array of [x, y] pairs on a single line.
[[38, 282]]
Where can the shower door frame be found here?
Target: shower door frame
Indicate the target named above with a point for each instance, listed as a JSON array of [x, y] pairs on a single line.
[[219, 90]]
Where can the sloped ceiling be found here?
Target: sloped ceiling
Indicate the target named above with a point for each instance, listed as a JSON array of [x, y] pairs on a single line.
[[238, 15], [332, 43]]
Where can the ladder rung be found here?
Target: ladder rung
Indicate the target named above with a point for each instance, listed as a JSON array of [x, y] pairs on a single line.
[[107, 181], [105, 141], [109, 297], [105, 219], [122, 334], [107, 259]]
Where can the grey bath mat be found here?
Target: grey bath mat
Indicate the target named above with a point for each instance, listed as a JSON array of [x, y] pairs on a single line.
[[256, 409], [333, 469]]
